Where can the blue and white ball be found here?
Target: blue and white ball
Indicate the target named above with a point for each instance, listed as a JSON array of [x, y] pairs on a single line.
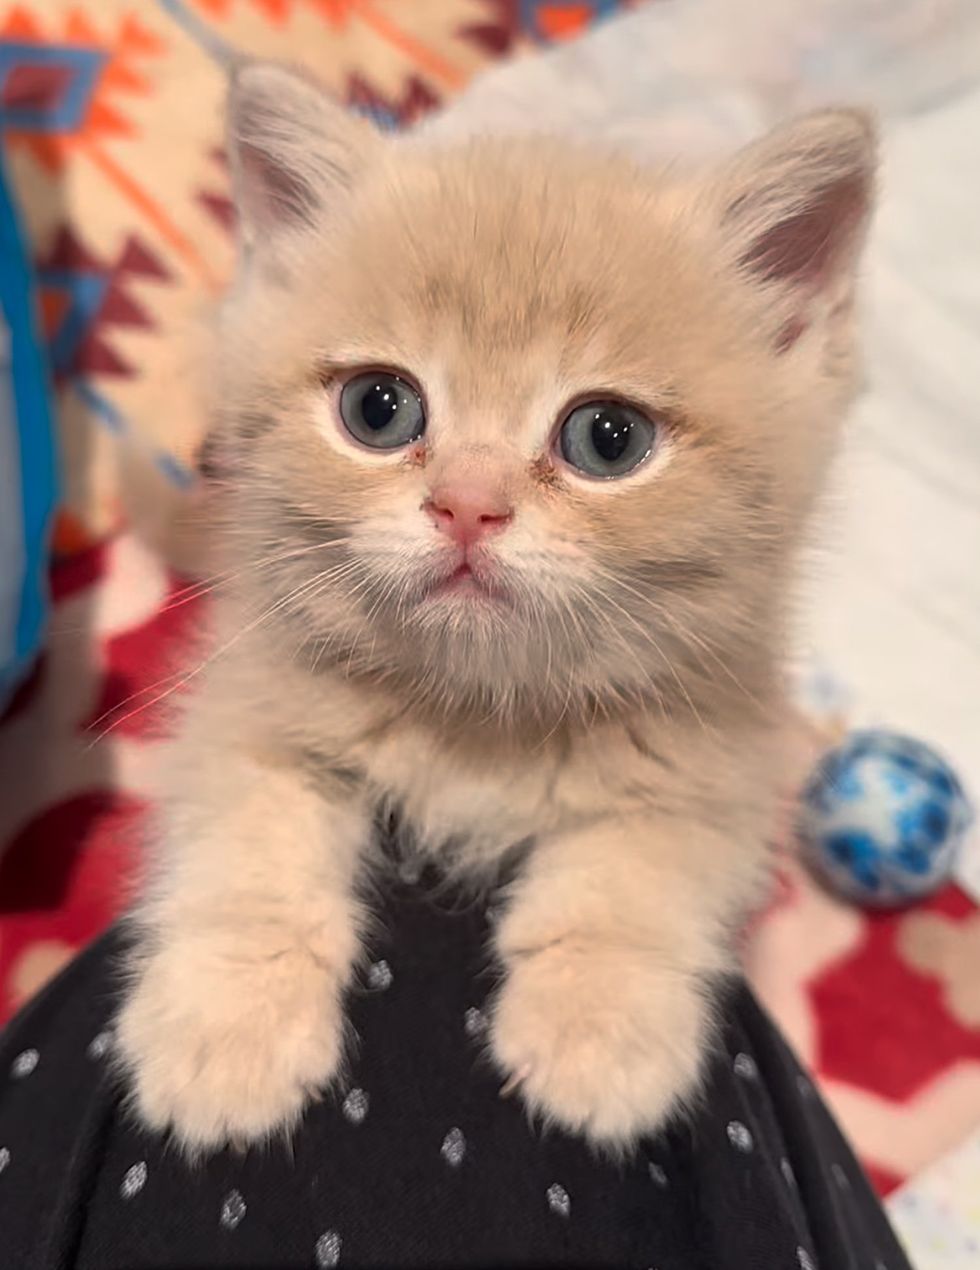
[[882, 819]]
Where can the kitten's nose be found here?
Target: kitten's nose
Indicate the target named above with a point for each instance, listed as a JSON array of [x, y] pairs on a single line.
[[468, 513]]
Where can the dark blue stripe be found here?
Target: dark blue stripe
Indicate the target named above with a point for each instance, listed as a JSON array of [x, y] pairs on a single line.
[[38, 460]]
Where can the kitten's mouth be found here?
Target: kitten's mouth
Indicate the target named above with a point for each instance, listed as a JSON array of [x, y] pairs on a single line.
[[462, 581], [465, 581]]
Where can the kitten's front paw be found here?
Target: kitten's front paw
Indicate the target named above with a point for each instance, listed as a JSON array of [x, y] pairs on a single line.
[[606, 1042], [220, 1050]]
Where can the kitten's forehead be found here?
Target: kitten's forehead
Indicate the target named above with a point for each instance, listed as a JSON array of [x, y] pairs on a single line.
[[507, 250]]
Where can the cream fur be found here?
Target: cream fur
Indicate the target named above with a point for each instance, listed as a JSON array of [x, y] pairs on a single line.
[[620, 706]]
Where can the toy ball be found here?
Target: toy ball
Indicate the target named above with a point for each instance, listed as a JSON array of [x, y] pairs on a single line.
[[882, 819]]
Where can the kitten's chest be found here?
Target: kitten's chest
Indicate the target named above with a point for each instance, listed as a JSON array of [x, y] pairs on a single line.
[[442, 802], [479, 803]]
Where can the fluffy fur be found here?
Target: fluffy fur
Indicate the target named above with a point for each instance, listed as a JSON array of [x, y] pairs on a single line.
[[611, 695]]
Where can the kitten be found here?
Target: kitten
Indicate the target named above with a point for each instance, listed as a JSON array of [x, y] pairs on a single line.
[[520, 441]]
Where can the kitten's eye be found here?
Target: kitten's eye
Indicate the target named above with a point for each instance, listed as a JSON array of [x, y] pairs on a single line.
[[606, 439], [381, 410]]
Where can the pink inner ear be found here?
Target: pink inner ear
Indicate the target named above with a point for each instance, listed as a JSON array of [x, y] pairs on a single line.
[[805, 247], [281, 194]]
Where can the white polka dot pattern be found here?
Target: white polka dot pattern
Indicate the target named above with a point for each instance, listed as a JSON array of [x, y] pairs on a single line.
[[328, 1249], [24, 1064], [739, 1136], [233, 1210], [98, 1046], [558, 1199], [379, 976], [134, 1179], [474, 1022], [355, 1106], [454, 1148]]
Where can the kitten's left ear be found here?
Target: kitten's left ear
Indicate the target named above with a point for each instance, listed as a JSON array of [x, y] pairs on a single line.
[[795, 206], [292, 148]]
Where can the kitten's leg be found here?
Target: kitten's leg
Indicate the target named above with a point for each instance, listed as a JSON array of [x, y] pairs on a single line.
[[245, 944], [611, 942]]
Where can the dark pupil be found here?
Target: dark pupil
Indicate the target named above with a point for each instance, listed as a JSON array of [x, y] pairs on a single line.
[[610, 434], [379, 405]]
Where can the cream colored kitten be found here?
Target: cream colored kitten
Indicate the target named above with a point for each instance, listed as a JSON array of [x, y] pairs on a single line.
[[520, 441]]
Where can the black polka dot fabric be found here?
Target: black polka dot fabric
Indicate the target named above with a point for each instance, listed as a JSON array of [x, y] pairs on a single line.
[[416, 1160]]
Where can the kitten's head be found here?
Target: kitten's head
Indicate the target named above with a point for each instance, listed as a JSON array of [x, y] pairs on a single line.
[[522, 427]]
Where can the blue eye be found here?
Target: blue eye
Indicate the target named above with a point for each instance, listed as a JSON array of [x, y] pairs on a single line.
[[606, 439], [381, 410]]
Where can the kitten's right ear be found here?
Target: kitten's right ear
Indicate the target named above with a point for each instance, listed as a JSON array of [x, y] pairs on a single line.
[[292, 149], [795, 208]]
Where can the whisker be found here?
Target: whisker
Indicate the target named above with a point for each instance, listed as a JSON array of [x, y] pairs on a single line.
[[228, 577], [296, 593]]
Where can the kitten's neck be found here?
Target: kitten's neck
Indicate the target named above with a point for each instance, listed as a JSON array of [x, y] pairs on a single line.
[[521, 716]]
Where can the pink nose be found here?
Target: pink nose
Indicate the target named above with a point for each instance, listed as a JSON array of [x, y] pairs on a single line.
[[468, 513]]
